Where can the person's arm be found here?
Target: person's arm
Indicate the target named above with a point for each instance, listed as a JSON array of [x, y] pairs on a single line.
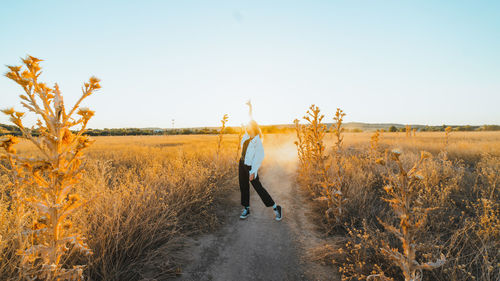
[[258, 158]]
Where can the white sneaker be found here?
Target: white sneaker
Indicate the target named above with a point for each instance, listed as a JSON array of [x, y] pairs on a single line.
[[279, 213], [245, 213]]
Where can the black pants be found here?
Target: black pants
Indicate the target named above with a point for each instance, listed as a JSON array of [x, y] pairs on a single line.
[[244, 177]]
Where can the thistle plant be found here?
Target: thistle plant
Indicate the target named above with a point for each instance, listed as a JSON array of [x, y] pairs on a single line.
[[240, 136], [338, 200], [374, 143], [221, 134], [403, 197], [447, 133], [337, 128], [47, 182], [408, 130], [313, 149], [309, 142], [444, 152], [315, 163], [301, 144], [315, 133]]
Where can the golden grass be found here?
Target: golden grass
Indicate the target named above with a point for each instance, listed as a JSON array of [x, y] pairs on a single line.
[[124, 206], [146, 192], [42, 185], [143, 193], [462, 144], [403, 195], [395, 223], [161, 190], [134, 198]]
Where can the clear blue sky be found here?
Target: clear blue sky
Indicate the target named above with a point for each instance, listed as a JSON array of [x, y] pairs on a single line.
[[419, 62]]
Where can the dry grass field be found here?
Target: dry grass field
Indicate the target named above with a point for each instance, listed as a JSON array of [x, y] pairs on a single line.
[[142, 194], [398, 206], [468, 146], [186, 163], [391, 206]]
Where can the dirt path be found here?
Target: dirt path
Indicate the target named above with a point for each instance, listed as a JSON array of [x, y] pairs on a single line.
[[260, 248]]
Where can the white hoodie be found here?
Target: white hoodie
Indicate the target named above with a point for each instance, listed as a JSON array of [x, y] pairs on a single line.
[[255, 153]]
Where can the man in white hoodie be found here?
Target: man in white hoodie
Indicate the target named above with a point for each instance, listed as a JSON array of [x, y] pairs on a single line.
[[252, 154]]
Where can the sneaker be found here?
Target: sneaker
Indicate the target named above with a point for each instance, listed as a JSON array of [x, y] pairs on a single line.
[[278, 212], [245, 213]]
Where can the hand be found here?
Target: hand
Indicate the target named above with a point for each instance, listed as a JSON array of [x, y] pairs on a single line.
[[252, 177]]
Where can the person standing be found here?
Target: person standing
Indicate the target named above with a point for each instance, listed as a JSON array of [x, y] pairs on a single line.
[[252, 155]]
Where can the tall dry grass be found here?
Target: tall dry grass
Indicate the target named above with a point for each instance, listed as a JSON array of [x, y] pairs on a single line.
[[42, 186], [143, 194], [133, 199], [404, 190], [454, 204], [322, 173], [157, 194]]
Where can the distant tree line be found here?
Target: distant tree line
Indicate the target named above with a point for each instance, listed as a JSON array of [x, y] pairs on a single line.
[[442, 128], [9, 130], [152, 132], [269, 129], [13, 130]]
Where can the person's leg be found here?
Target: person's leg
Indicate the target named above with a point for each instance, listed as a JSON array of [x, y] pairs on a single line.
[[244, 185], [264, 195]]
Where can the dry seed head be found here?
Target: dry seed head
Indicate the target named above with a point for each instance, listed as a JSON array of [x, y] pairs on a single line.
[[85, 113], [14, 68], [395, 154], [8, 111], [94, 80], [93, 84]]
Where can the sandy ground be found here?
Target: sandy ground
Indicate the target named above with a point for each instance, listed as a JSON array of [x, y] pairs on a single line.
[[260, 248]]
